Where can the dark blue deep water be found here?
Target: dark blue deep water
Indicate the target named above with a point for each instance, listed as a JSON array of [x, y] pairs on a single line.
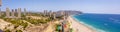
[[105, 22]]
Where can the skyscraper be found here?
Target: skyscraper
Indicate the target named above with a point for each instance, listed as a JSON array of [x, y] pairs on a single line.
[[50, 13], [19, 12], [13, 13], [24, 11], [45, 12], [0, 3], [16, 14], [62, 13], [7, 12], [54, 15], [0, 12]]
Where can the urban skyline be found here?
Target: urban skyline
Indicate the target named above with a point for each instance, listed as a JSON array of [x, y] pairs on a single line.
[[59, 16], [87, 6]]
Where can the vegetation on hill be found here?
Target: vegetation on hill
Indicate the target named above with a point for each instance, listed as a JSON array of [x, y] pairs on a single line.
[[21, 21], [7, 30], [18, 31], [16, 22]]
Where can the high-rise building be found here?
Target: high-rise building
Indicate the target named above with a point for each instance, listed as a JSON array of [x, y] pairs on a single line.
[[24, 11], [45, 12], [50, 13], [0, 12], [0, 3], [16, 14], [13, 12], [19, 12], [62, 13], [54, 15], [7, 12]]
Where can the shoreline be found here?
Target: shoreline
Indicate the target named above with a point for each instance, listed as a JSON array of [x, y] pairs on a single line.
[[78, 27]]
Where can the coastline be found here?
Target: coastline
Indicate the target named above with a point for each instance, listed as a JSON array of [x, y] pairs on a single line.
[[78, 27]]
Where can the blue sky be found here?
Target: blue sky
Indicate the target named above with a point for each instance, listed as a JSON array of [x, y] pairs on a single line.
[[87, 6]]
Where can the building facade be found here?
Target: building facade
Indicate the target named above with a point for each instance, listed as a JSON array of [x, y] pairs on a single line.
[[0, 3], [7, 12], [15, 13]]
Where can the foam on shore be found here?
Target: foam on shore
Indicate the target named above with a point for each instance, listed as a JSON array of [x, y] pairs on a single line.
[[78, 27], [81, 22]]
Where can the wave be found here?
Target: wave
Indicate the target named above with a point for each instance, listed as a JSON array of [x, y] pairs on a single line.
[[97, 30]]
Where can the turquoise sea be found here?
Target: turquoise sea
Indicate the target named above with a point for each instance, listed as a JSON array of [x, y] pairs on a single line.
[[100, 22]]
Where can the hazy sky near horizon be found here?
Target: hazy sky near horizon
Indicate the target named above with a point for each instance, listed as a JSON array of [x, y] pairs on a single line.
[[87, 6]]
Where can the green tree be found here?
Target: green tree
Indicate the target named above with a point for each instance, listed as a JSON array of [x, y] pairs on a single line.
[[7, 30], [18, 31]]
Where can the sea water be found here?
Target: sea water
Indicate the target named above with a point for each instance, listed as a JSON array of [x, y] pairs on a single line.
[[100, 22]]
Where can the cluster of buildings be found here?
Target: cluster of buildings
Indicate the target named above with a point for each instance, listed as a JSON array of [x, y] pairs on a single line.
[[14, 13], [53, 14], [17, 13]]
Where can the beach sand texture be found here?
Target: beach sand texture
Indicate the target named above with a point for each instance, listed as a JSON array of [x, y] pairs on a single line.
[[78, 27]]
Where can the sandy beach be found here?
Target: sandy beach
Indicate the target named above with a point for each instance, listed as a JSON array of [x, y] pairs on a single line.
[[78, 27]]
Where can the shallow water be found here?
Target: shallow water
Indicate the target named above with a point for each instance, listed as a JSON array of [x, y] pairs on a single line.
[[105, 22]]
